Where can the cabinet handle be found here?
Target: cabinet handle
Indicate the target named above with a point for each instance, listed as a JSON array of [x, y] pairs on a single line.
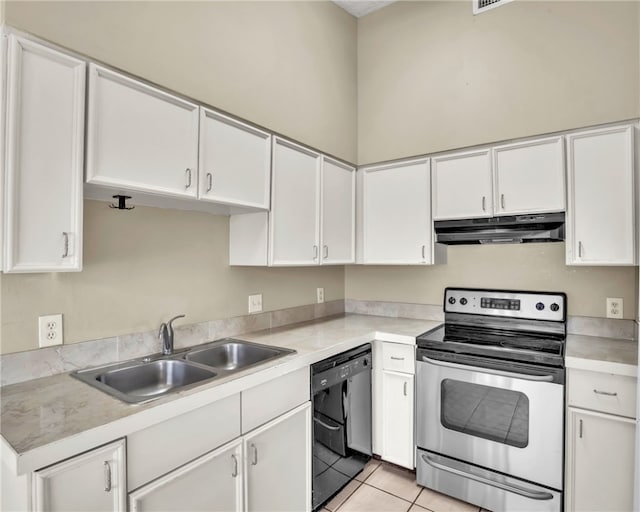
[[606, 393], [65, 237], [502, 200], [315, 252], [397, 358], [107, 476], [580, 429], [404, 389], [234, 471], [326, 251], [209, 182], [188, 171], [484, 204], [254, 448], [579, 249], [424, 249]]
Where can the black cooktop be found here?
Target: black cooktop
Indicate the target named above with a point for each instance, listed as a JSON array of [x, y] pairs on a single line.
[[505, 344]]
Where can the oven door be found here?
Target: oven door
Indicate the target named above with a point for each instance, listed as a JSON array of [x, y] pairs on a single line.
[[508, 418]]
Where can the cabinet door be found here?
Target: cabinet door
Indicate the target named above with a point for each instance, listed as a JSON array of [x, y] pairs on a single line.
[[397, 418], [278, 463], [44, 159], [235, 161], [338, 213], [600, 462], [139, 137], [211, 483], [396, 214], [600, 214], [294, 205], [462, 186], [94, 481], [529, 177]]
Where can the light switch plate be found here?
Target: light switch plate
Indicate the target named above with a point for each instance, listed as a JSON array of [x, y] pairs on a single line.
[[50, 330], [255, 303], [615, 308]]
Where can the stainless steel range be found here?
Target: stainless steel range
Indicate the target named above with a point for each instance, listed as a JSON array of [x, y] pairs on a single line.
[[490, 400]]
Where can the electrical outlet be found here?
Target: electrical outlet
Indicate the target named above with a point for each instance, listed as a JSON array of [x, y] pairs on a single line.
[[320, 295], [615, 308], [255, 303], [50, 330]]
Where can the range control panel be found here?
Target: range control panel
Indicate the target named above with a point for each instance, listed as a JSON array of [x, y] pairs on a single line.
[[530, 305]]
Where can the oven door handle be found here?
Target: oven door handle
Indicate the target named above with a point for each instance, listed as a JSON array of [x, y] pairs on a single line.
[[537, 378], [527, 493]]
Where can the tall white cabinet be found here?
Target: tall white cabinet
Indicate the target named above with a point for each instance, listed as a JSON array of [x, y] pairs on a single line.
[[140, 137], [44, 157], [601, 218]]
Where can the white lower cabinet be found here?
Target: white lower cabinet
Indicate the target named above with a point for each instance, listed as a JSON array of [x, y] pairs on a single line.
[[93, 481], [212, 482], [278, 463], [397, 418], [600, 462]]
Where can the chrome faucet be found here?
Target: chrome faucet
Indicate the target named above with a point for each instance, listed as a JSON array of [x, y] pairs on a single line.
[[166, 335]]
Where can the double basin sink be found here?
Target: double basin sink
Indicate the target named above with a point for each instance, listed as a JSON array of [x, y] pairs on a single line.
[[146, 379]]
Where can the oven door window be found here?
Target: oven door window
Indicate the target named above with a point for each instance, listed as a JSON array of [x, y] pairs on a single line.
[[497, 414]]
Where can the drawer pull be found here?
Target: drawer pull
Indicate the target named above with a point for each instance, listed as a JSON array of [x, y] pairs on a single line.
[[606, 393], [326, 251], [502, 200], [580, 430], [65, 237], [209, 181], [397, 358], [107, 476], [315, 252], [188, 171], [254, 448], [484, 204]]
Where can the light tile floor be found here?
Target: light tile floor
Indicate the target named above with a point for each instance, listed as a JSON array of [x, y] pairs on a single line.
[[382, 487]]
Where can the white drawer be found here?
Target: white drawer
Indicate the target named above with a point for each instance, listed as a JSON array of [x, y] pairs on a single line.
[[156, 450], [398, 357], [262, 403], [602, 392]]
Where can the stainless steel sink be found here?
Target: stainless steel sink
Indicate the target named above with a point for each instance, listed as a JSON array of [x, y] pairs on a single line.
[[142, 381], [150, 378], [233, 355]]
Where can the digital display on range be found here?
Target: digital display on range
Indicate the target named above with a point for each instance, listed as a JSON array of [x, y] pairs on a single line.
[[511, 304]]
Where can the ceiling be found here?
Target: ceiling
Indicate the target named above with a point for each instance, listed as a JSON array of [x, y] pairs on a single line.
[[360, 8]]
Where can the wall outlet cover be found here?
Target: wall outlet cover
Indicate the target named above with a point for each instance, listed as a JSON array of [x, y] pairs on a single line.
[[320, 295], [615, 308], [255, 303], [50, 330]]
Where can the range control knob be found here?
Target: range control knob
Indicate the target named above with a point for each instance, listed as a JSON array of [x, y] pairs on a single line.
[[463, 301], [452, 300], [554, 307], [539, 306]]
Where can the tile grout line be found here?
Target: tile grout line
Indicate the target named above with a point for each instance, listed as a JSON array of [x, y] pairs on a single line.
[[361, 484]]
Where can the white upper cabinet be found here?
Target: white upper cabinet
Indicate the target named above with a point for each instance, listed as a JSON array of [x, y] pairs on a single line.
[[462, 185], [139, 137], [44, 159], [295, 205], [529, 177], [235, 161], [338, 212], [600, 201], [396, 214]]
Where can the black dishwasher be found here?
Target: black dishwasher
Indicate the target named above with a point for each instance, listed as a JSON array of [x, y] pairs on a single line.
[[341, 395]]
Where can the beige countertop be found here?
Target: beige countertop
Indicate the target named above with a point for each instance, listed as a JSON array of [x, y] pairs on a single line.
[[607, 355], [48, 419]]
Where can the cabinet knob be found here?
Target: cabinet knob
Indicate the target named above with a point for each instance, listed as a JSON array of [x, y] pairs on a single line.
[[107, 476]]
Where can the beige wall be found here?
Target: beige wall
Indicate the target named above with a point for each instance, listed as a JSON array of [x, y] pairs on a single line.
[[289, 66], [516, 266], [431, 76], [142, 267]]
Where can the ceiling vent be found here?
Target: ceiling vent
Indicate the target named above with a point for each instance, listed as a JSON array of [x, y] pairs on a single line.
[[480, 6]]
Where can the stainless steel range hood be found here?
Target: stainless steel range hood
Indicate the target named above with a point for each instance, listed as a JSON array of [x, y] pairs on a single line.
[[544, 227]]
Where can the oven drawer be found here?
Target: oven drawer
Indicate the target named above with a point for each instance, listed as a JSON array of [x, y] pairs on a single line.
[[398, 357], [604, 392]]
